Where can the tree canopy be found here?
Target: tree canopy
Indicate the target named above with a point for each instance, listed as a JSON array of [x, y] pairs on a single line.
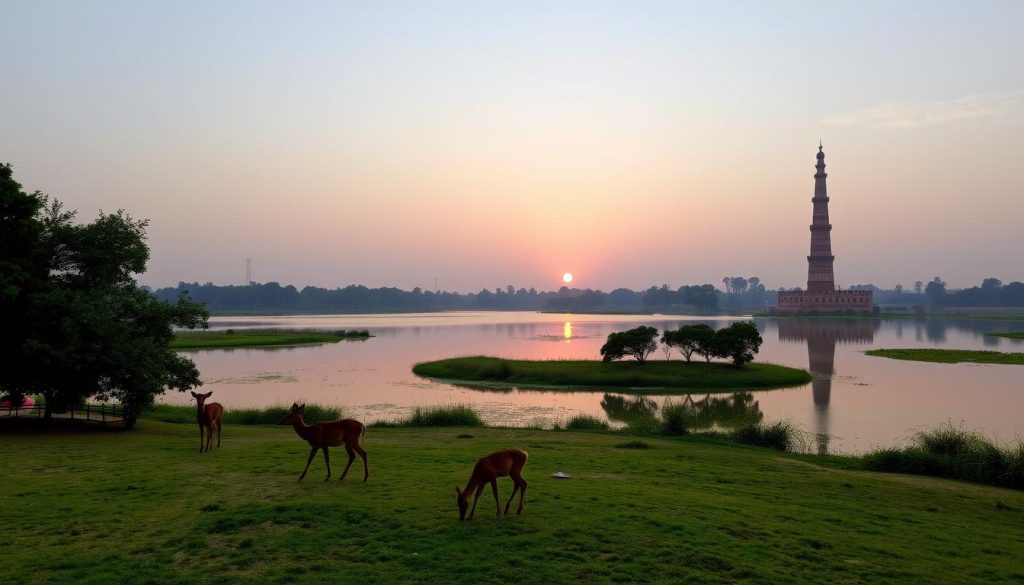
[[77, 324], [690, 339], [638, 342], [738, 342]]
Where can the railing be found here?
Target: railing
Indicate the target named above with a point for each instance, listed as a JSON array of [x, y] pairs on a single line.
[[99, 413]]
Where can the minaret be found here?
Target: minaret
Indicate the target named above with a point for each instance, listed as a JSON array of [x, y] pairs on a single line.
[[820, 278]]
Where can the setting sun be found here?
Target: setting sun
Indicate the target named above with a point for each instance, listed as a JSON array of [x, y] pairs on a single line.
[[567, 277]]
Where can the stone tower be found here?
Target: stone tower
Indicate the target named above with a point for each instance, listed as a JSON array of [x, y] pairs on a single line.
[[820, 276]]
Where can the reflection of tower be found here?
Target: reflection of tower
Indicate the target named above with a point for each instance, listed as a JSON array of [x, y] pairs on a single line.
[[821, 338]]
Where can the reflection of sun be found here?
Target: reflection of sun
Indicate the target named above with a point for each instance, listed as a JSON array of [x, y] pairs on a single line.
[[567, 331], [567, 277]]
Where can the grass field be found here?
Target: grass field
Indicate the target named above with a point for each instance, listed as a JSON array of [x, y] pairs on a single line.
[[950, 356], [225, 339], [145, 507], [670, 375]]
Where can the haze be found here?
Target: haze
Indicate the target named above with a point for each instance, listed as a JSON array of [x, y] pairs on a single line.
[[486, 144]]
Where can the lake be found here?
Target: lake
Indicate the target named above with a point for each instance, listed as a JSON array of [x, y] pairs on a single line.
[[855, 403]]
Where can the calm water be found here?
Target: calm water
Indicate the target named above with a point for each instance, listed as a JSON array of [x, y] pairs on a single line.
[[856, 402]]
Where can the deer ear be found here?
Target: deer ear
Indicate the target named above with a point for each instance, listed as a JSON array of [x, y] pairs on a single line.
[[303, 407], [194, 395], [209, 394]]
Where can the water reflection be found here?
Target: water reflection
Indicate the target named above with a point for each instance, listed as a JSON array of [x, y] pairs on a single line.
[[567, 331], [709, 412], [821, 338]]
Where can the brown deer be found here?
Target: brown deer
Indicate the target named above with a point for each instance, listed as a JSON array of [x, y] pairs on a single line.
[[208, 416], [326, 434], [488, 469]]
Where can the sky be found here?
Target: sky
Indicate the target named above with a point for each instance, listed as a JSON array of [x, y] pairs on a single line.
[[484, 144]]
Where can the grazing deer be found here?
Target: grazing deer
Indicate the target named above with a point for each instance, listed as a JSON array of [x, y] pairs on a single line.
[[488, 469], [208, 416], [326, 434]]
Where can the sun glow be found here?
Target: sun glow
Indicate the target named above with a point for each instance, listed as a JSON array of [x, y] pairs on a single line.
[[567, 277]]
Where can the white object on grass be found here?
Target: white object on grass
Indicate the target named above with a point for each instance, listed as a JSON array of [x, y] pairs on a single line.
[[561, 475]]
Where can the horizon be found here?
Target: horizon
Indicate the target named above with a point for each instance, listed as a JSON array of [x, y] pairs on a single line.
[[489, 145]]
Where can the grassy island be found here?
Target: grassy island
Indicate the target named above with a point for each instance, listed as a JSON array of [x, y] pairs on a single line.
[[145, 507], [1009, 334], [229, 338], [950, 356], [667, 376]]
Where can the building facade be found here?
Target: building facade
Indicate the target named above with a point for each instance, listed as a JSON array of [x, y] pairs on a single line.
[[821, 295]]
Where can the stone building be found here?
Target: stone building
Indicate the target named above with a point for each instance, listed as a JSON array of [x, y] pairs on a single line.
[[821, 295]]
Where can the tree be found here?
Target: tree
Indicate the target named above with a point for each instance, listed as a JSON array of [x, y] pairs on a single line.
[[638, 342], [918, 286], [689, 339], [739, 342], [936, 291], [899, 289], [84, 329]]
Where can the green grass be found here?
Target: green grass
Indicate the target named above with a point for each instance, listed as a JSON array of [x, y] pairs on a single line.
[[671, 375], [949, 451], [145, 507], [585, 422], [230, 338], [950, 356], [1009, 334], [456, 415]]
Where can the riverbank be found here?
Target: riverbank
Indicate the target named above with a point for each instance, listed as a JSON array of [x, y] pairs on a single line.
[[666, 376], [950, 356], [222, 339], [659, 509]]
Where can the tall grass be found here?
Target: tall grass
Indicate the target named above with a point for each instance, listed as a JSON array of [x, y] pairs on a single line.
[[953, 452], [268, 415], [585, 422], [456, 415], [781, 435]]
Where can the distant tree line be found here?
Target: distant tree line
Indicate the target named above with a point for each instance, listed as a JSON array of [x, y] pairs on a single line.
[[990, 293], [272, 296]]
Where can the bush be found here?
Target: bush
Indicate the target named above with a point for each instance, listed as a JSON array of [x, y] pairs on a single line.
[[675, 420], [585, 422], [949, 451], [458, 415], [780, 435]]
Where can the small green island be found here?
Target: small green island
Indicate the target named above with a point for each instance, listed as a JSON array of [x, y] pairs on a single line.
[[231, 339], [1008, 334], [677, 377], [950, 356]]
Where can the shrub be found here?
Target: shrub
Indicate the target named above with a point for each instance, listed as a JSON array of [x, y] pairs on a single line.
[[457, 415], [585, 422], [780, 435], [675, 420]]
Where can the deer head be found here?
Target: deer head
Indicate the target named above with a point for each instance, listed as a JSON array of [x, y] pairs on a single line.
[[294, 415], [462, 499], [201, 398]]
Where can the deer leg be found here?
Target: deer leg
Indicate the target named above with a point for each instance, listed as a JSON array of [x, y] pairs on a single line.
[[351, 458], [476, 497], [209, 438], [497, 502], [327, 460], [308, 461], [201, 438], [515, 488], [522, 495], [366, 466]]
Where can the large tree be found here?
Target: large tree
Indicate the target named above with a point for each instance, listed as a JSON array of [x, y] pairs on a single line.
[[738, 342], [689, 339], [82, 328], [638, 342]]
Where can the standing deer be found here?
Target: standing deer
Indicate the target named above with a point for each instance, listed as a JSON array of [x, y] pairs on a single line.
[[326, 434], [208, 416], [488, 469]]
